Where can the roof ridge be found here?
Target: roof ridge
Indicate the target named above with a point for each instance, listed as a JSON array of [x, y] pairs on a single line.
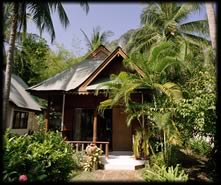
[[101, 48]]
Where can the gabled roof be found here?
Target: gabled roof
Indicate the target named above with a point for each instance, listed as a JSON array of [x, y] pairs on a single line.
[[20, 97], [80, 75], [73, 77], [117, 51]]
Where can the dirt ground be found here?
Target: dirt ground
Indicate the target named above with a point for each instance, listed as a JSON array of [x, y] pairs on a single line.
[[110, 175], [195, 166]]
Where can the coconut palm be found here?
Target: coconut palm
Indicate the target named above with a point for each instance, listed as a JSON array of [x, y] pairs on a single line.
[[171, 135], [97, 38], [166, 21], [162, 59], [212, 23], [41, 15]]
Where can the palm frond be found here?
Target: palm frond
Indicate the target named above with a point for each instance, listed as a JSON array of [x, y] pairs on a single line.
[[195, 40], [185, 10], [61, 12], [170, 89], [164, 63], [157, 49], [162, 120], [41, 15], [85, 6], [150, 14], [199, 27], [88, 41], [104, 105]]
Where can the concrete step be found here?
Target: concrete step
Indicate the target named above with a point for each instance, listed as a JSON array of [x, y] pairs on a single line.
[[125, 161]]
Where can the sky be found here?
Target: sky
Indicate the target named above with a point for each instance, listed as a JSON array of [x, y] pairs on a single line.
[[115, 17]]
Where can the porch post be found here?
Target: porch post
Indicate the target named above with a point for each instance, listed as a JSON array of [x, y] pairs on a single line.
[[62, 114], [95, 127], [142, 109], [47, 114]]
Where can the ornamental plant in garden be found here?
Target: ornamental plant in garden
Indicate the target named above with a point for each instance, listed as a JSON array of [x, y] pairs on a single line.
[[93, 161], [23, 178], [43, 156]]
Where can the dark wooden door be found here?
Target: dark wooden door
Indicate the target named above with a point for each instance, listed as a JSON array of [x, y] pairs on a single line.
[[121, 134]]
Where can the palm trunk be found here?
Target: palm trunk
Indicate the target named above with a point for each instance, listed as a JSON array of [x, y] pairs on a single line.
[[9, 63], [212, 23]]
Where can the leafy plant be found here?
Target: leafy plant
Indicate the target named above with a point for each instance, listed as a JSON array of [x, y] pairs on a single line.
[[137, 144], [31, 60], [141, 144], [200, 146], [167, 21], [157, 159], [165, 174], [93, 161], [43, 156]]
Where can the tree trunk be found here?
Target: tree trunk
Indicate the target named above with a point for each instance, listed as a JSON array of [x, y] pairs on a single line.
[[212, 23], [9, 64]]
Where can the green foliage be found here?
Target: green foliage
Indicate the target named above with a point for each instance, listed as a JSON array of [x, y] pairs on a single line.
[[166, 21], [31, 60], [141, 144], [197, 112], [41, 122], [137, 144], [93, 161], [157, 159], [59, 60], [97, 38], [200, 146], [35, 62], [165, 174], [43, 156]]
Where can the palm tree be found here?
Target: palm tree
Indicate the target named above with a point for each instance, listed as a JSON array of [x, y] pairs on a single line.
[[212, 23], [41, 15], [165, 21], [9, 61], [162, 60], [164, 123], [98, 38]]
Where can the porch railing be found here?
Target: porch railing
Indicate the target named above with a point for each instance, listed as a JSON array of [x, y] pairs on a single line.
[[81, 145]]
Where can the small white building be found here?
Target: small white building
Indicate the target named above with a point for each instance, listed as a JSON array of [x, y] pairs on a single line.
[[22, 108]]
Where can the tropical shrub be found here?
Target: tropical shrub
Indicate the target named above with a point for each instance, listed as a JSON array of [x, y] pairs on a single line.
[[157, 159], [200, 146], [43, 156], [141, 144], [31, 59], [196, 113], [92, 158], [165, 174]]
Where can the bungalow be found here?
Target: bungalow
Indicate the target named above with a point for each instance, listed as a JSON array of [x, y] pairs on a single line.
[[72, 103], [22, 108]]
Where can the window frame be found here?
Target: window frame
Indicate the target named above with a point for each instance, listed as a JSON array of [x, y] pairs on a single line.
[[19, 121]]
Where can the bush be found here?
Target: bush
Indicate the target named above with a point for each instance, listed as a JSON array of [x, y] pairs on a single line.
[[200, 146], [43, 156], [157, 159], [93, 161], [165, 174], [173, 158]]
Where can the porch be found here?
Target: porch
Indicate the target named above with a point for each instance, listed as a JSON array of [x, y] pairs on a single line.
[[115, 160]]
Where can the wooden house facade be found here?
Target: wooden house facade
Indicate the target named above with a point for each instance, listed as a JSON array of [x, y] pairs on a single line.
[[71, 97]]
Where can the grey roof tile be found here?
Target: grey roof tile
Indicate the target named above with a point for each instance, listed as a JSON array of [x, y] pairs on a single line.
[[20, 97]]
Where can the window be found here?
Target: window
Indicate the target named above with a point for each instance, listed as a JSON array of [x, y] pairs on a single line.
[[20, 119]]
